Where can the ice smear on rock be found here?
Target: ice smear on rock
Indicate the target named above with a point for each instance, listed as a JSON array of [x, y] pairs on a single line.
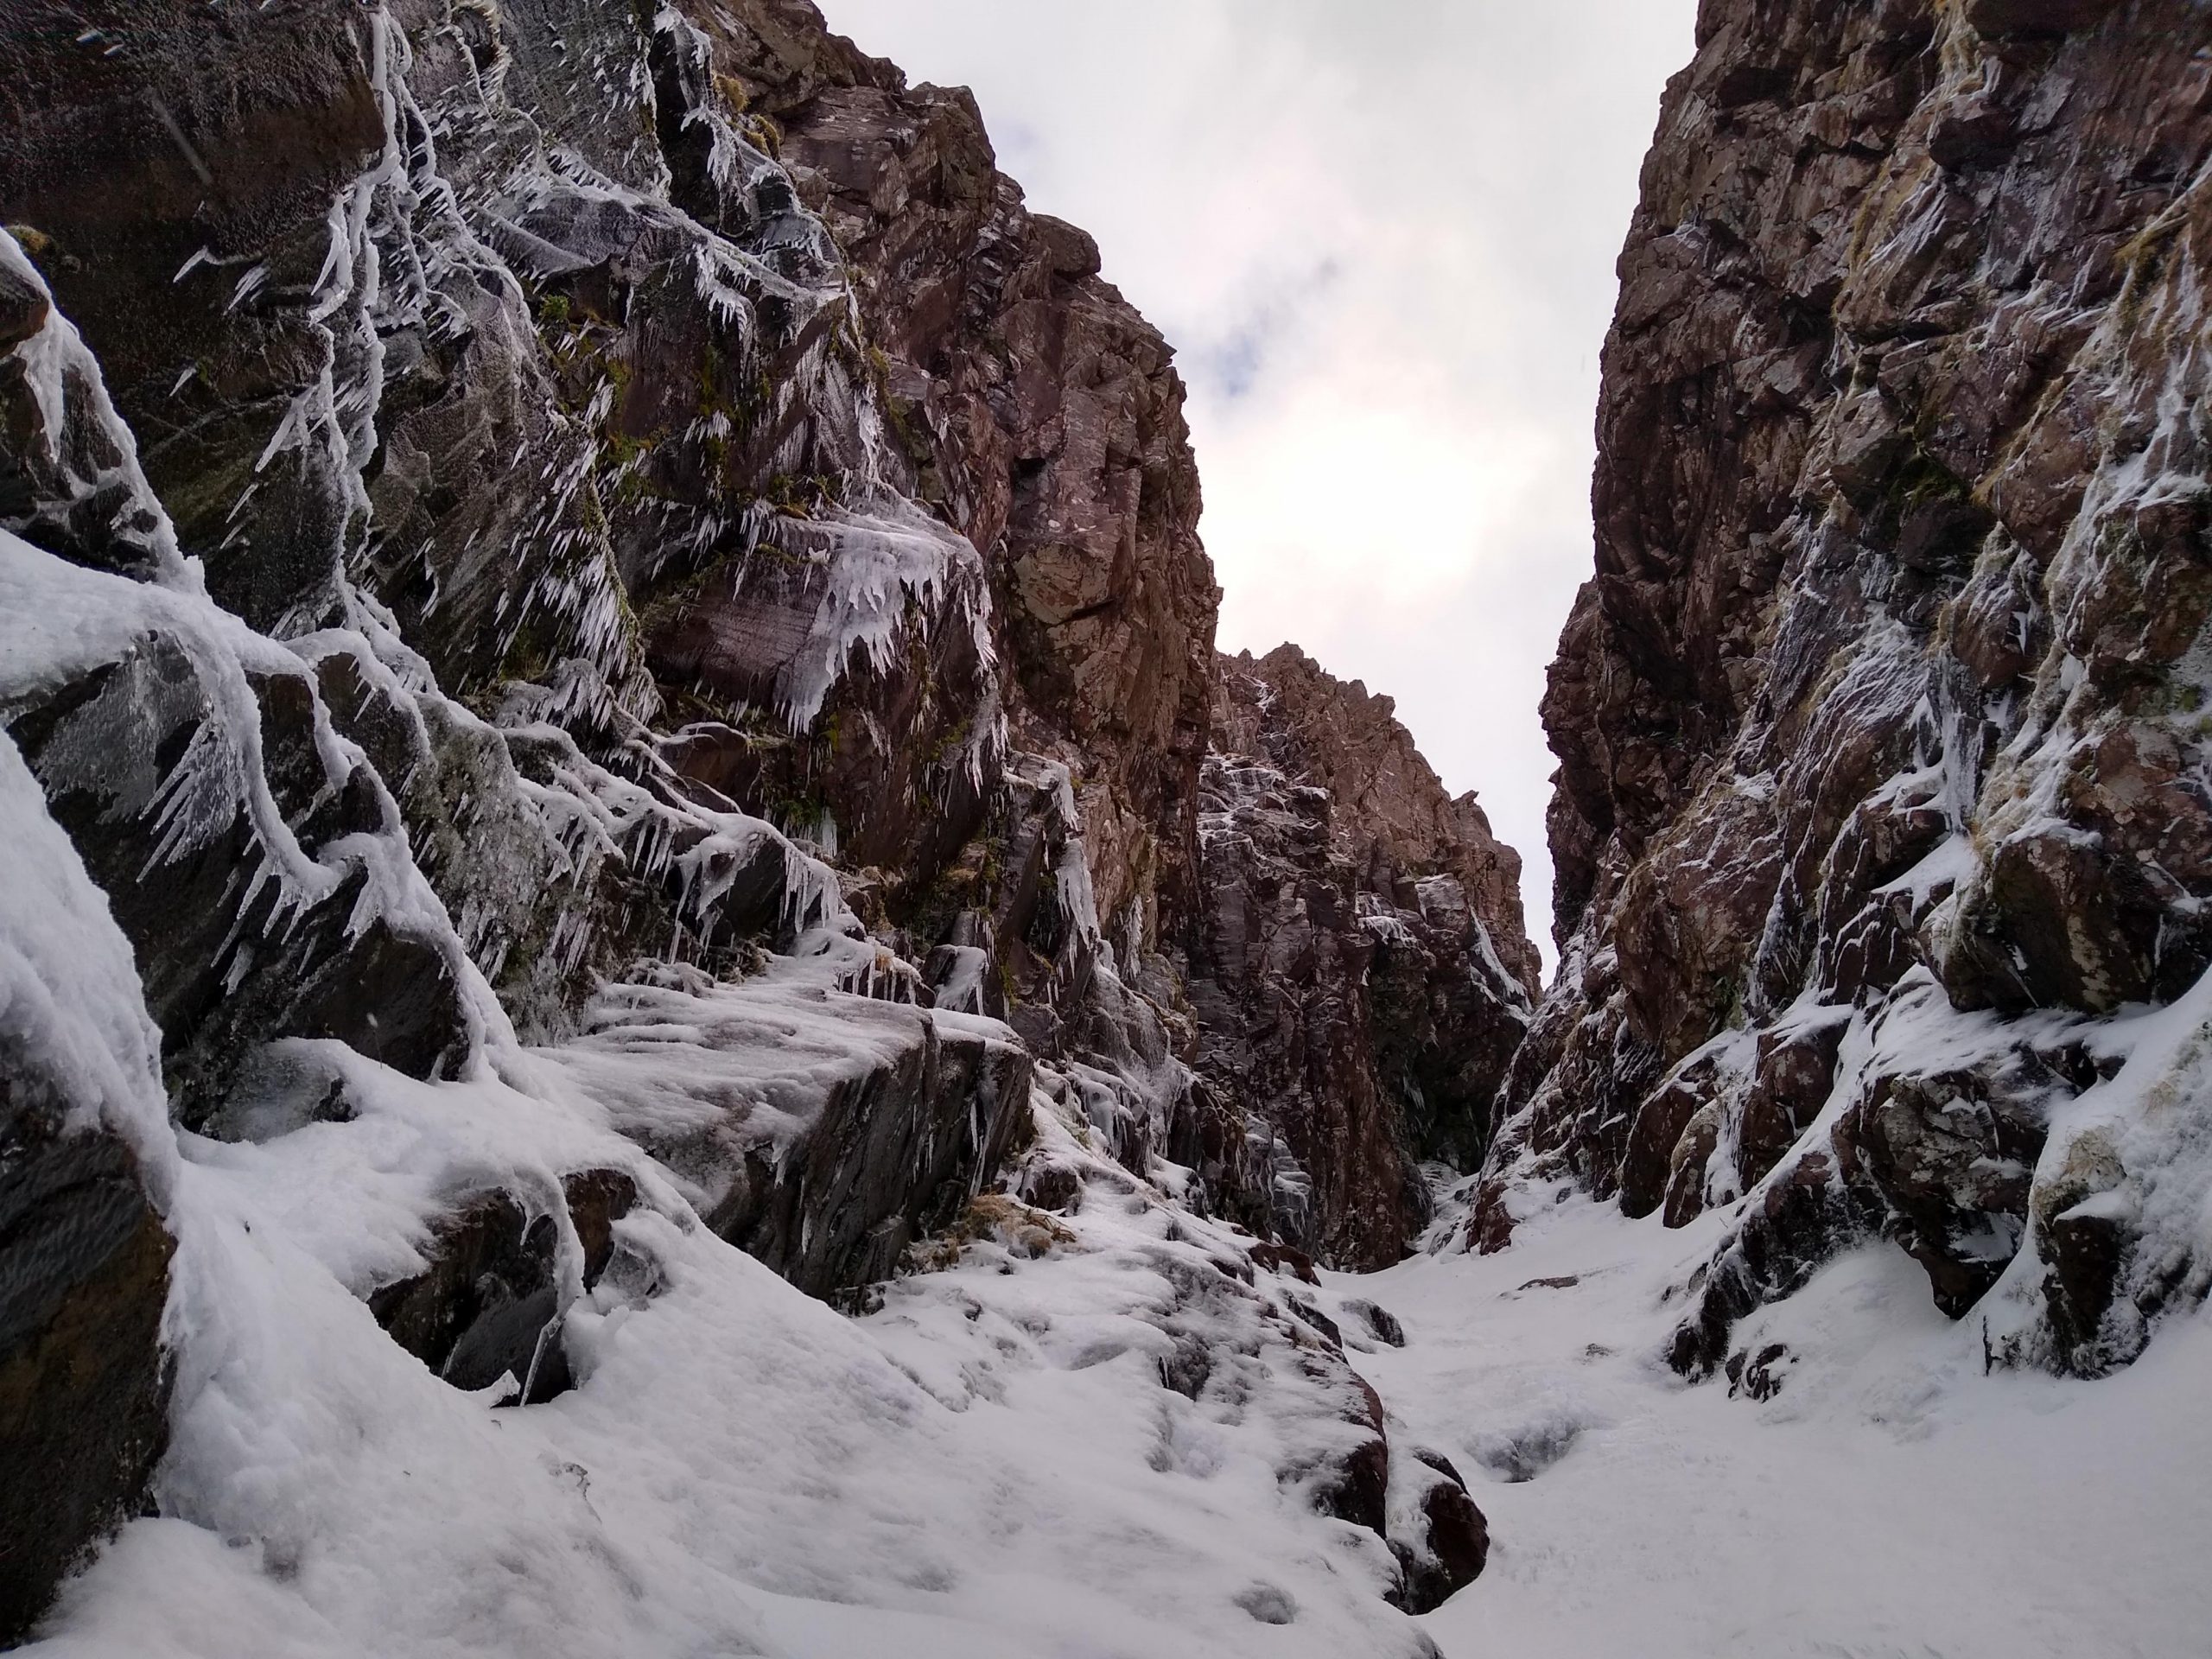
[[738, 1469], [1882, 812], [72, 1015]]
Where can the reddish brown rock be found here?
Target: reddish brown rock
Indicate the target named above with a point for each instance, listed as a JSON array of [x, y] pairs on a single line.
[[1394, 810], [1953, 1154], [1454, 1546], [1357, 1488], [1656, 1140], [1035, 408], [1874, 695], [1790, 1084], [1361, 979]]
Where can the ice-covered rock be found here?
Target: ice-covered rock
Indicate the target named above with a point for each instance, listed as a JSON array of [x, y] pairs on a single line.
[[823, 1131], [1881, 812], [88, 1168], [1360, 978], [603, 725]]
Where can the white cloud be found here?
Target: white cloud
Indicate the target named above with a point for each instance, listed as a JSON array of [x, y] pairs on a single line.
[[1381, 237]]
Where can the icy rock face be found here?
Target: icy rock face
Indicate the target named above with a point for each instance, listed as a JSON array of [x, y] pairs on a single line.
[[254, 865], [1882, 813], [297, 958], [873, 1120], [501, 372], [1032, 406], [1362, 978], [539, 353], [89, 1167], [596, 460], [251, 807], [493, 637]]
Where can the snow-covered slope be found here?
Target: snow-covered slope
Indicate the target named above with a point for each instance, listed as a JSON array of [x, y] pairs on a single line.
[[1891, 1496], [991, 1464]]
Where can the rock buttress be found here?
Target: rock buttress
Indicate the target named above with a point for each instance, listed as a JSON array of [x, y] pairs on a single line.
[[1362, 979], [1032, 406], [1881, 761]]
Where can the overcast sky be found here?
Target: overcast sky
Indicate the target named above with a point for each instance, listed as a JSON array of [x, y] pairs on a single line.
[[1381, 235]]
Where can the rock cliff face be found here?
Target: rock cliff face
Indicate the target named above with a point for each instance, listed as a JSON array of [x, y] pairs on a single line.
[[1363, 979], [1882, 816], [587, 593], [604, 655], [1041, 416]]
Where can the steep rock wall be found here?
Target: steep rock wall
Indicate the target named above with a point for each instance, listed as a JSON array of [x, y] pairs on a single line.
[[1881, 806], [1030, 404], [494, 623], [1361, 979]]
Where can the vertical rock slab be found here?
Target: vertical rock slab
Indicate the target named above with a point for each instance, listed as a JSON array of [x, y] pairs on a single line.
[[1032, 406], [84, 1382], [85, 1155], [1882, 756]]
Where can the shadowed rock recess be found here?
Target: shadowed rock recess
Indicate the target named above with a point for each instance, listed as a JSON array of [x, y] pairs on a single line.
[[1882, 820], [603, 559]]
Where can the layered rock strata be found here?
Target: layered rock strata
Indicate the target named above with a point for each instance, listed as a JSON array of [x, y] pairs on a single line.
[[1881, 812]]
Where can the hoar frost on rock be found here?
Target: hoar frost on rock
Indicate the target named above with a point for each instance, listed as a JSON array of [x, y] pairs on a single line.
[[602, 724], [1880, 816]]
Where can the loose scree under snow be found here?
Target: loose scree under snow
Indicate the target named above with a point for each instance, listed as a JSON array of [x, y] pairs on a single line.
[[657, 997]]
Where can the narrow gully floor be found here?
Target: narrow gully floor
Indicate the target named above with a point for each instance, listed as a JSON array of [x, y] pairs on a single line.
[[1889, 1501]]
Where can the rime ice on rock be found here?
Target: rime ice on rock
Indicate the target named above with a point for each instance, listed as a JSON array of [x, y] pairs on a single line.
[[488, 1018], [1882, 817]]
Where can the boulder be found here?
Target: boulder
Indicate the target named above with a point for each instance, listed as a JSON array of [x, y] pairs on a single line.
[[83, 1376], [487, 1306]]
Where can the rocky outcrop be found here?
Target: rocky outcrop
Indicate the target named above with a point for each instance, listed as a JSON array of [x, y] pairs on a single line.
[[1033, 407], [486, 1313], [1362, 978], [1879, 798], [84, 1379], [553, 454], [87, 1173], [1400, 824], [603, 560], [823, 1134]]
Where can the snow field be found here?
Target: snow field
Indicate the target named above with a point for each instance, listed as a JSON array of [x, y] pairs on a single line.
[[1890, 1502]]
